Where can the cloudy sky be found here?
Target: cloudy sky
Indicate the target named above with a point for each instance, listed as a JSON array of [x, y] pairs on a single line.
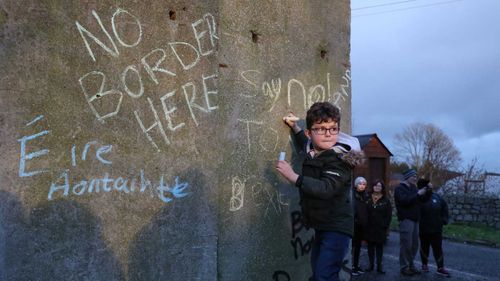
[[431, 61]]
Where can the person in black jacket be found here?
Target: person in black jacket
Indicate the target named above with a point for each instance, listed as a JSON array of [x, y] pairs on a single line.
[[360, 220], [379, 212], [407, 198], [325, 186], [433, 215]]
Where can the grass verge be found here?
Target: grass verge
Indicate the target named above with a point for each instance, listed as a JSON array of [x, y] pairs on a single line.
[[471, 233]]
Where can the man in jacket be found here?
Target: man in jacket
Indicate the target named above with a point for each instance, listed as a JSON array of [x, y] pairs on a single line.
[[407, 198]]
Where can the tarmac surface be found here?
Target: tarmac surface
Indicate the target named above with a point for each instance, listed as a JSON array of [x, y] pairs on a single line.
[[465, 262]]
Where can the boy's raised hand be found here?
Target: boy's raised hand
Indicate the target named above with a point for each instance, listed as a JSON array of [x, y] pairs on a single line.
[[291, 120]]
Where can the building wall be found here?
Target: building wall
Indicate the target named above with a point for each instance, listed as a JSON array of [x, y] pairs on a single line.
[[139, 138]]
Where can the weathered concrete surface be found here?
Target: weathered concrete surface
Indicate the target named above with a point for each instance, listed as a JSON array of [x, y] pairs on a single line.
[[139, 139]]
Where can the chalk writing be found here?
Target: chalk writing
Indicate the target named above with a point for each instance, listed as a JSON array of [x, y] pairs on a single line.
[[262, 193], [248, 122], [297, 244], [97, 91], [238, 194], [335, 99], [191, 97], [38, 118], [138, 183], [264, 138], [67, 186], [98, 154], [296, 88]]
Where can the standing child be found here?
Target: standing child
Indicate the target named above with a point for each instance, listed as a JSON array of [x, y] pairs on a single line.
[[379, 211], [325, 186], [434, 214]]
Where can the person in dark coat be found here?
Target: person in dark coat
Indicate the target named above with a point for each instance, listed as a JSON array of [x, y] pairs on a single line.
[[407, 198], [325, 186], [433, 215], [360, 220], [379, 212]]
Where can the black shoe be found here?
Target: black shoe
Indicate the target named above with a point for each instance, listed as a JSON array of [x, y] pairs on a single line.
[[407, 272], [379, 269], [354, 272], [415, 270], [368, 269], [358, 269]]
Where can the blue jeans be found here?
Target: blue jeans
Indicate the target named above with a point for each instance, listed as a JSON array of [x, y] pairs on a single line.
[[327, 255]]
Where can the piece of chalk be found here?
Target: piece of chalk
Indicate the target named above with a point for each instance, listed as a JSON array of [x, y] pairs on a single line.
[[291, 118], [282, 156]]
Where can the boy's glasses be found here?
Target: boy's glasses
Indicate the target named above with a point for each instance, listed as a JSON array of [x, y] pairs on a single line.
[[322, 131]]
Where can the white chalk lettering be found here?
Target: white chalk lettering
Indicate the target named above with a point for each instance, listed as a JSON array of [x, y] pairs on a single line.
[[191, 100], [269, 140], [237, 194], [170, 111], [101, 94], [248, 122], [175, 45], [156, 68], [314, 96], [210, 21], [139, 81], [157, 123], [207, 92], [297, 82], [127, 22], [243, 75], [112, 51]]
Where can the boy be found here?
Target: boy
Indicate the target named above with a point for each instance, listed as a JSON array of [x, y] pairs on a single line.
[[325, 186], [433, 215]]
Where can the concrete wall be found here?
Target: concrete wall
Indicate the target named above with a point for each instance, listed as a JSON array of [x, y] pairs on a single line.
[[139, 137]]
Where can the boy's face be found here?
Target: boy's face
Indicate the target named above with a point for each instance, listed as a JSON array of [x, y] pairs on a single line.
[[323, 134]]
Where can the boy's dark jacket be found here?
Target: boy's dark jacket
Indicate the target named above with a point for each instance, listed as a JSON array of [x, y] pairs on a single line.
[[325, 188], [434, 213]]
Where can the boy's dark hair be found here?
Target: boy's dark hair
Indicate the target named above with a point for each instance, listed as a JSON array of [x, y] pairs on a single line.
[[322, 112]]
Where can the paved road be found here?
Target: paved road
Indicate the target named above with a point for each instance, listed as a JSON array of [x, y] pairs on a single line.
[[465, 263]]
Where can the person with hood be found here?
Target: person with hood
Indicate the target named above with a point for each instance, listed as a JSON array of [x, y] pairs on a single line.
[[360, 220], [325, 186], [379, 212], [433, 215], [407, 198]]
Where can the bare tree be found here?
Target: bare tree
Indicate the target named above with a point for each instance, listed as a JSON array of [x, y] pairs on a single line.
[[471, 180], [428, 149]]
